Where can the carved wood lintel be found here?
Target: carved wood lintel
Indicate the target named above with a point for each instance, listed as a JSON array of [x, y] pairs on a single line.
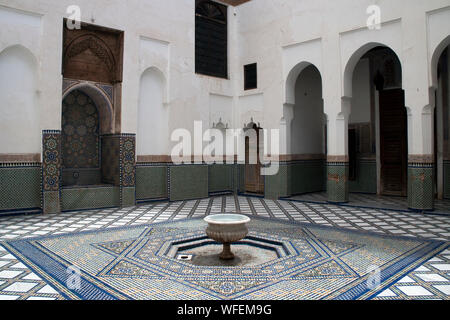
[[419, 158], [20, 157]]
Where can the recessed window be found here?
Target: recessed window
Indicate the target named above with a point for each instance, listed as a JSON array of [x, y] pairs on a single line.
[[211, 45], [250, 77]]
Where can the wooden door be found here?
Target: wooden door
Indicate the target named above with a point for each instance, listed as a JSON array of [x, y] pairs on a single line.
[[352, 151], [254, 182], [393, 142]]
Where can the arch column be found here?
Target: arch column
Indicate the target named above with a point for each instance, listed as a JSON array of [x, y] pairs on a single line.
[[285, 129], [337, 154], [439, 88], [279, 185], [421, 159], [420, 105]]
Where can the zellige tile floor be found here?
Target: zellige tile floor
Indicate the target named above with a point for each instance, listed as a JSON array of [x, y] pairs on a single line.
[[430, 281]]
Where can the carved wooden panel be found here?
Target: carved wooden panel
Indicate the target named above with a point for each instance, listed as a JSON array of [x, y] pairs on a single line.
[[393, 142], [352, 151], [254, 181], [93, 53]]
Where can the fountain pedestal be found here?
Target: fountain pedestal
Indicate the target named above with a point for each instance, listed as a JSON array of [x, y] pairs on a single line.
[[226, 229], [226, 252]]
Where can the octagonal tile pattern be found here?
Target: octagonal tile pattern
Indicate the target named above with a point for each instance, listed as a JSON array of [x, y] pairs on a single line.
[[139, 262], [383, 222]]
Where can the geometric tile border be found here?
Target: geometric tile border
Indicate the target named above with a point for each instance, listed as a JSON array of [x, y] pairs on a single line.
[[337, 182], [127, 167], [421, 186], [51, 171]]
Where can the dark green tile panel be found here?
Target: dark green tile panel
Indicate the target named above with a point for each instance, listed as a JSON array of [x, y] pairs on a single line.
[[220, 177], [20, 188], [241, 178], [420, 188], [128, 197], [52, 203], [279, 186], [81, 177], [90, 198], [236, 184], [366, 178], [188, 182], [151, 183], [337, 182], [307, 177], [110, 157], [447, 180]]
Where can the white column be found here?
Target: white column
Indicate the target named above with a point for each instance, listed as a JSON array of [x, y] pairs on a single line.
[[285, 129], [415, 83], [419, 100], [440, 142], [338, 128]]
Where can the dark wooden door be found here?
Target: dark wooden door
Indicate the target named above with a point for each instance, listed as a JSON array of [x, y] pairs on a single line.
[[393, 142], [352, 150], [254, 182]]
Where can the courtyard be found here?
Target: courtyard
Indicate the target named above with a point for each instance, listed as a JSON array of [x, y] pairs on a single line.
[[427, 279], [307, 140]]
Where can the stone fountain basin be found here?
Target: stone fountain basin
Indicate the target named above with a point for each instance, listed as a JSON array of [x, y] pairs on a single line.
[[227, 228]]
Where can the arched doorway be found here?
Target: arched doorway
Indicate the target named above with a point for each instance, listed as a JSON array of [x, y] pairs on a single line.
[[308, 134], [80, 140], [254, 181], [378, 146], [442, 122]]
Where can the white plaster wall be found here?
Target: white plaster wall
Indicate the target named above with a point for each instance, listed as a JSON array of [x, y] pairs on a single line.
[[157, 33], [155, 53], [355, 43], [268, 27], [153, 133], [19, 110], [251, 109], [438, 38], [296, 58], [277, 35], [221, 108], [20, 27]]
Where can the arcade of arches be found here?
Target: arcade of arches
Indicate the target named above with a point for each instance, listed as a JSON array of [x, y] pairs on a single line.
[[377, 160]]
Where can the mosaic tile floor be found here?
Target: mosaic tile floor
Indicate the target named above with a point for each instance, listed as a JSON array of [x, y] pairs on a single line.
[[374, 201], [429, 281]]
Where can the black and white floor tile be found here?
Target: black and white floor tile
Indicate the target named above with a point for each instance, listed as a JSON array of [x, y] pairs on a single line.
[[374, 201]]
